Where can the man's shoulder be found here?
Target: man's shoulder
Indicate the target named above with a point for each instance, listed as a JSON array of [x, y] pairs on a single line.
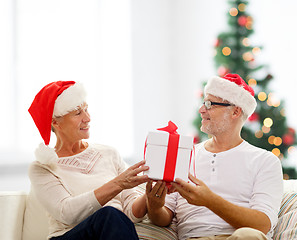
[[260, 154], [254, 149]]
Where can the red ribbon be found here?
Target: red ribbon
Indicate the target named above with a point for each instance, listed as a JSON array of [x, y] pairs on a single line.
[[172, 150]]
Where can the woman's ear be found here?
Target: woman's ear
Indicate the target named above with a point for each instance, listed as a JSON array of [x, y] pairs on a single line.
[[55, 123]]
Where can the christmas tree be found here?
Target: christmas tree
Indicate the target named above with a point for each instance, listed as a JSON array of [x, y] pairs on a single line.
[[266, 127]]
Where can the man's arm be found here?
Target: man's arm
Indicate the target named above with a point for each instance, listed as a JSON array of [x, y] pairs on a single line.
[[236, 216], [157, 212]]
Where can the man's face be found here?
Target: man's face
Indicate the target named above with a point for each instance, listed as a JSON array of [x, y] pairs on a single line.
[[217, 119]]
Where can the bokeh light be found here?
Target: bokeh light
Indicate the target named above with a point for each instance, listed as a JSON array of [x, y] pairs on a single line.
[[233, 12], [271, 139], [265, 129], [262, 96], [277, 141], [226, 51], [246, 42], [241, 7], [268, 122], [291, 149], [256, 50], [247, 56], [252, 82], [259, 134], [276, 152]]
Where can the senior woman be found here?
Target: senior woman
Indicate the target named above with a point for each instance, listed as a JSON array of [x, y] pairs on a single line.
[[86, 189]]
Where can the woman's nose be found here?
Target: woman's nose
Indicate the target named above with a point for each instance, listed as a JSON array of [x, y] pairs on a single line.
[[87, 117]]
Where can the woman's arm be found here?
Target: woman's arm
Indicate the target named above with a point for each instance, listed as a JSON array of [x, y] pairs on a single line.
[[54, 196], [126, 180], [139, 208]]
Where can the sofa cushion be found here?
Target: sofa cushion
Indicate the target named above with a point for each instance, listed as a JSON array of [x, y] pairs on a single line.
[[148, 231], [286, 227], [35, 220]]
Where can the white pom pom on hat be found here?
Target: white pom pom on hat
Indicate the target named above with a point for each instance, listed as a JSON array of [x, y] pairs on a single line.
[[233, 89], [46, 155], [56, 98]]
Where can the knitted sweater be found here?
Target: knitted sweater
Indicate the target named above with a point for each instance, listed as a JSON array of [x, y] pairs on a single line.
[[65, 186]]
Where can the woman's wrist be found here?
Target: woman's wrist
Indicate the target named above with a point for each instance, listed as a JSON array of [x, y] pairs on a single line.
[[107, 192]]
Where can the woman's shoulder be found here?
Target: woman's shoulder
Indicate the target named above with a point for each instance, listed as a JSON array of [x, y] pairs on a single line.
[[102, 147], [105, 149], [37, 170]]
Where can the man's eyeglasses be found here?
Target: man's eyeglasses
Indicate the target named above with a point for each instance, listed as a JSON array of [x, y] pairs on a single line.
[[208, 104]]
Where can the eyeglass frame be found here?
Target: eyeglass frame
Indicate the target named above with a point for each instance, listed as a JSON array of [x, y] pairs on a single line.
[[208, 104]]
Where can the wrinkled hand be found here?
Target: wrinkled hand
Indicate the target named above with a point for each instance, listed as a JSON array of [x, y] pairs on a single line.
[[156, 194], [130, 178], [198, 195]]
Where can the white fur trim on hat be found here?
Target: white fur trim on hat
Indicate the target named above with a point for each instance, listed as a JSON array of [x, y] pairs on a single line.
[[232, 93], [69, 99], [46, 155]]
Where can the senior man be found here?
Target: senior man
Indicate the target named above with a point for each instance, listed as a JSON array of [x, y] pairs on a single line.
[[237, 190]]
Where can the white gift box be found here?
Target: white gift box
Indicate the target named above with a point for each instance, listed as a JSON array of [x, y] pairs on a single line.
[[156, 151]]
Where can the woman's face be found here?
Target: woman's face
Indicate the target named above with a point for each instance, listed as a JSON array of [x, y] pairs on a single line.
[[74, 126]]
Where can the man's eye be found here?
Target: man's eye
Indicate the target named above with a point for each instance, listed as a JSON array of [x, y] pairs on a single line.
[[78, 112]]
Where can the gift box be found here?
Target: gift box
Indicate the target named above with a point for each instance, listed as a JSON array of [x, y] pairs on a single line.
[[168, 154]]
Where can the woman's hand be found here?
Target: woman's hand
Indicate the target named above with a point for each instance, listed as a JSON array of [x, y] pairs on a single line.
[[157, 212], [130, 178], [127, 179], [156, 194]]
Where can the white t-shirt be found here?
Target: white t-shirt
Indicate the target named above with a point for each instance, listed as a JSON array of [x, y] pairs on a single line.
[[67, 191], [245, 175]]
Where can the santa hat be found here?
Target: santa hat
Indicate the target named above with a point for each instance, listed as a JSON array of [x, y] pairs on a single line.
[[233, 89], [55, 99]]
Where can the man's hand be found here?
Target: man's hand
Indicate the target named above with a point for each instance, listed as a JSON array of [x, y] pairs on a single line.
[[197, 195]]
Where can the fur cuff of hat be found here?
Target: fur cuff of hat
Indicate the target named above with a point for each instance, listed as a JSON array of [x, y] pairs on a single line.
[[70, 99], [231, 92]]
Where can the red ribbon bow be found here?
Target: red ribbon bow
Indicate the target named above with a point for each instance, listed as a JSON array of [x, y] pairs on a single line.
[[171, 128], [172, 150]]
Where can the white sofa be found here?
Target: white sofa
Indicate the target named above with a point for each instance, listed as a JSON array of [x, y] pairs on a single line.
[[22, 218]]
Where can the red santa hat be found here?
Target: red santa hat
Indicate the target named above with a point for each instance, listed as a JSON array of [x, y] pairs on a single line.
[[55, 99], [233, 89]]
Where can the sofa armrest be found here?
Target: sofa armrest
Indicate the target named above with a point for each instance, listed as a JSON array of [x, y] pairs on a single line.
[[12, 208], [290, 185]]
